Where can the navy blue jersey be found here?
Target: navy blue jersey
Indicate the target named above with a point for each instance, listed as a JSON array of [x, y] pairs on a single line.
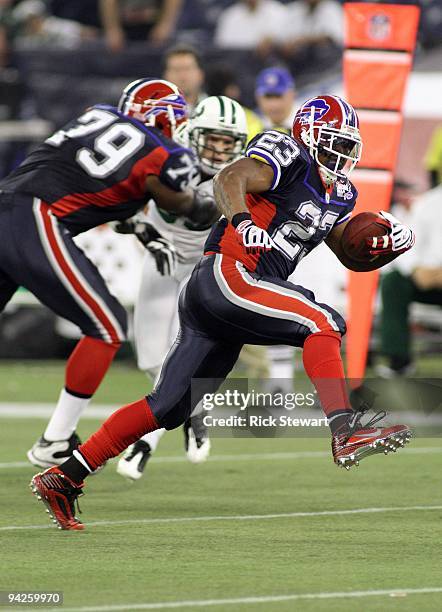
[[296, 211], [94, 169]]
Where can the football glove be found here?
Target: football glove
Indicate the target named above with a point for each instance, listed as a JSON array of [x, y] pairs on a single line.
[[163, 250], [165, 255], [253, 238], [399, 238], [205, 211]]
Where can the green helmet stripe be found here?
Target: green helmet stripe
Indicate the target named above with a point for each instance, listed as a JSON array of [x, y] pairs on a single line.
[[222, 108], [233, 112]]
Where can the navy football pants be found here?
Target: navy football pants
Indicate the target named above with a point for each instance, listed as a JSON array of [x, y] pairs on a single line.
[[37, 252], [223, 307]]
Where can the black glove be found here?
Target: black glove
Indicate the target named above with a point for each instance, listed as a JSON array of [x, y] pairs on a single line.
[[162, 250], [205, 211]]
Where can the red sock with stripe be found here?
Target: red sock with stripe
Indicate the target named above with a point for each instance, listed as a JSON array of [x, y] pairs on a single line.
[[122, 428], [323, 364]]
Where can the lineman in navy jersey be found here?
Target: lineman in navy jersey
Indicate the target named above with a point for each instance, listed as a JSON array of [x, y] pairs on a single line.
[[278, 205], [101, 167]]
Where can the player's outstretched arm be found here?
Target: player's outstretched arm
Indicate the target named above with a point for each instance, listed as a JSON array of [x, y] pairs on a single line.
[[333, 241], [193, 203], [231, 185], [180, 202]]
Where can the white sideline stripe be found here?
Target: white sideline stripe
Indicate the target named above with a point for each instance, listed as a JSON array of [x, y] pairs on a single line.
[[394, 592], [426, 450], [22, 410], [26, 410], [234, 517]]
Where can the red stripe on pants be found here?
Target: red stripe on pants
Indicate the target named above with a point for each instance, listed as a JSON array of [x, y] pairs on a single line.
[[271, 299], [70, 275]]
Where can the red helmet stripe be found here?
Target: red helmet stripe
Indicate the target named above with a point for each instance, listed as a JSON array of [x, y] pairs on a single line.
[[131, 90]]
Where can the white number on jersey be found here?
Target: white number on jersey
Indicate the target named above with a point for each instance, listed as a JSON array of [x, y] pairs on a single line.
[[288, 235], [91, 121], [282, 147], [187, 170], [111, 149]]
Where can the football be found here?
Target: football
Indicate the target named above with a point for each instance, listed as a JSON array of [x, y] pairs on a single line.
[[361, 226]]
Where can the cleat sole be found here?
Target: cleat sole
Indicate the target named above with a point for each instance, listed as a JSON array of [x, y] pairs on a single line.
[[382, 445]]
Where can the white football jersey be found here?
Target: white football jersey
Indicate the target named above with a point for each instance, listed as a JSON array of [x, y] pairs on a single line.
[[188, 242]]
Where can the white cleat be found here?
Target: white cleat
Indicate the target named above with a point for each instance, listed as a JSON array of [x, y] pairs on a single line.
[[134, 460], [198, 450], [196, 439], [46, 454]]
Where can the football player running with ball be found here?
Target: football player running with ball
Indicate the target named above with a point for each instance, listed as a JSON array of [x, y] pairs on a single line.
[[100, 167], [217, 133], [287, 195]]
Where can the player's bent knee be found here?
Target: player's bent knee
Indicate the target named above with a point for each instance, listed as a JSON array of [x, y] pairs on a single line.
[[175, 417], [342, 326], [338, 327], [111, 333], [327, 332]]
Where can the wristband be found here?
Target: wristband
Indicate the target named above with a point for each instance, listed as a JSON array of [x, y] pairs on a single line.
[[239, 218]]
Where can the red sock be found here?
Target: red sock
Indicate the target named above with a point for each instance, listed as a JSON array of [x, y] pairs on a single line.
[[121, 429], [323, 364], [88, 364]]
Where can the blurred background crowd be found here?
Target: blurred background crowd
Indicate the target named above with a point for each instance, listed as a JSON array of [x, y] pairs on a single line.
[[59, 56]]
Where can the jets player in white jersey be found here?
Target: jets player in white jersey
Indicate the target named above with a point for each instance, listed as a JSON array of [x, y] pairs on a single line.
[[217, 132]]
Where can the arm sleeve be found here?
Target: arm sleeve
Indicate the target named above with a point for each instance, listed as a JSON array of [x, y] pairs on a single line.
[[180, 170], [344, 216]]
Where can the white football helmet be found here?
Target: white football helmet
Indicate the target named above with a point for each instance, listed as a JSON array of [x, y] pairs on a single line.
[[217, 116]]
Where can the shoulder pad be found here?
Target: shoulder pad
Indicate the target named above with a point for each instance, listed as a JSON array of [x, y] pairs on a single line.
[[276, 149], [106, 107]]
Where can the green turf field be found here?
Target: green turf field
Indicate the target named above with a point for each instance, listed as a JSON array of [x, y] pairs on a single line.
[[209, 533], [35, 381]]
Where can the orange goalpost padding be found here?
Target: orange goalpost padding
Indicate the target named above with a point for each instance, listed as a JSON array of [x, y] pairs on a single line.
[[380, 40]]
